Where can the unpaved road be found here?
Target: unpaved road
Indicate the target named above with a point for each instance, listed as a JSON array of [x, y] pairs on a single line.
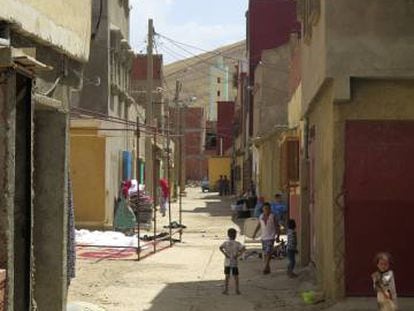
[[189, 276]]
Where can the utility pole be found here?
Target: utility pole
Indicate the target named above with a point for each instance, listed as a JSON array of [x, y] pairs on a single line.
[[179, 158], [177, 140], [138, 177], [154, 192], [149, 116], [168, 172]]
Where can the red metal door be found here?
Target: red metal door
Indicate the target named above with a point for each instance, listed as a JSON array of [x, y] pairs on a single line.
[[379, 202]]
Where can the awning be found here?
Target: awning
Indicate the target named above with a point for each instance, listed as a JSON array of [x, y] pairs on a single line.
[[23, 59]]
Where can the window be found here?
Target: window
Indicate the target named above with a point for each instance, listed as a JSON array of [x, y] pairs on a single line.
[[218, 80], [211, 141], [218, 93]]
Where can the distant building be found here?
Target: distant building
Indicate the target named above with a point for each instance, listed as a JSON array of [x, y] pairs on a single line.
[[225, 127], [210, 78]]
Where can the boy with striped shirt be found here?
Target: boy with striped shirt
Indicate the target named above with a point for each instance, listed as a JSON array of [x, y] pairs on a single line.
[[292, 247]]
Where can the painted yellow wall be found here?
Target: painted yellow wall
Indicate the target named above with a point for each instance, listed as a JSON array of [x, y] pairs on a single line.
[[321, 116], [218, 166], [87, 159], [65, 24], [269, 159]]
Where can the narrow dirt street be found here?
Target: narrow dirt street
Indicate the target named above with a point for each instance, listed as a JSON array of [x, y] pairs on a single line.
[[188, 276]]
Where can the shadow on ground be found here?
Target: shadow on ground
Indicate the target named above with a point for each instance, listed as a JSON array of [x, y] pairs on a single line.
[[258, 293]]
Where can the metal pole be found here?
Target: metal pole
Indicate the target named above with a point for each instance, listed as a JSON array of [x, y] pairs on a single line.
[[138, 170], [154, 189], [149, 109], [181, 177], [168, 172]]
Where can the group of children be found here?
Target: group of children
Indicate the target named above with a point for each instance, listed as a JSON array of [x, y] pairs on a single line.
[[383, 278], [233, 249]]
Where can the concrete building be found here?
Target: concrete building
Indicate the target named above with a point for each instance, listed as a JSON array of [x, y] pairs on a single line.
[[102, 140], [195, 162], [270, 102], [209, 76], [138, 90], [225, 127], [43, 48], [353, 110], [269, 27], [240, 152]]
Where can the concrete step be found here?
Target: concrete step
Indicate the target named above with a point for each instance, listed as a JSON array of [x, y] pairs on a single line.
[[84, 306]]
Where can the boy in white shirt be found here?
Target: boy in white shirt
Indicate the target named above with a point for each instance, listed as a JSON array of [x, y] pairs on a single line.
[[269, 226], [232, 250]]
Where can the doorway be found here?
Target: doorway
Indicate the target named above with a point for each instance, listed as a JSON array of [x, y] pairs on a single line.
[[23, 195]]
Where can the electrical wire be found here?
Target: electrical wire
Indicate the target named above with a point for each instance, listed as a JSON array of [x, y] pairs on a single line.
[[201, 59], [98, 23], [215, 52]]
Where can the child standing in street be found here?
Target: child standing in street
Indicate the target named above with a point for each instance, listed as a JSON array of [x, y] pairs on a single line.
[[232, 250], [292, 247], [384, 283]]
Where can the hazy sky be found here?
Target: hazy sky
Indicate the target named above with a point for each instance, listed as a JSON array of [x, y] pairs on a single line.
[[207, 24]]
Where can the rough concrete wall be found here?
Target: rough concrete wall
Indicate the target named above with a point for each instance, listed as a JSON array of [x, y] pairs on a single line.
[[272, 95], [368, 39], [50, 209], [313, 59], [7, 179], [119, 16], [321, 116], [66, 25], [96, 97]]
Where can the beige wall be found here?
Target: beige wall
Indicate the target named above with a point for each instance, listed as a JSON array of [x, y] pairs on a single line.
[[119, 15], [354, 38], [64, 24], [368, 38], [322, 118], [313, 60], [269, 168], [372, 100], [295, 108]]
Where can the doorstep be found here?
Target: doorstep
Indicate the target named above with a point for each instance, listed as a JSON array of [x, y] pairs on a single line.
[[83, 306]]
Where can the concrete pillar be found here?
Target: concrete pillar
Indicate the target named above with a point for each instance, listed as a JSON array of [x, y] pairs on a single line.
[[7, 155], [50, 209]]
